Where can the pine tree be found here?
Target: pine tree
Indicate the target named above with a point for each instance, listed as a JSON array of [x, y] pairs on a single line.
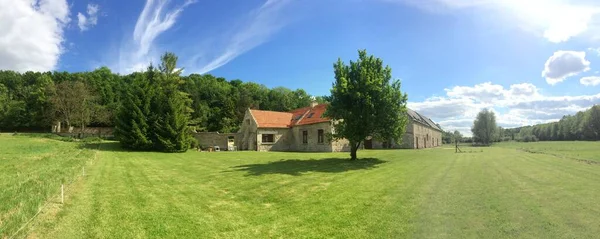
[[132, 128], [171, 109]]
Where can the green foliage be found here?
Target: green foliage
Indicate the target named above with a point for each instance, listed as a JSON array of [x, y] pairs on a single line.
[[584, 125], [484, 127], [217, 104], [169, 129], [365, 102], [155, 112], [132, 128]]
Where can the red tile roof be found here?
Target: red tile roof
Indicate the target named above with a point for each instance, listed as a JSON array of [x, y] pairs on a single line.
[[314, 115], [272, 119], [302, 116]]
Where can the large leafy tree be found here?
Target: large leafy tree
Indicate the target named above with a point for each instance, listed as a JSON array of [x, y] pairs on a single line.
[[72, 103], [484, 127], [366, 102]]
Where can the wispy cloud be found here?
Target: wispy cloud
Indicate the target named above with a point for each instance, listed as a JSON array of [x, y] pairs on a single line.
[[157, 17], [263, 23]]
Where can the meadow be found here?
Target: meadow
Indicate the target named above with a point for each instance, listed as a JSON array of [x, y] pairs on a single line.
[[528, 190]]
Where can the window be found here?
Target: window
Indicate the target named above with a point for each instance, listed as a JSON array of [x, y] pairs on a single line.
[[305, 137], [247, 121], [320, 138], [310, 115], [268, 138]]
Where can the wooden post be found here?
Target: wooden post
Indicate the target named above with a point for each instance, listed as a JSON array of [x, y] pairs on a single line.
[[62, 194]]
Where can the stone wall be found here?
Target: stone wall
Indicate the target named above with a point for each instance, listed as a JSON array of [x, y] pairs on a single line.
[[312, 144], [281, 137], [417, 136], [425, 136], [247, 133], [209, 139], [102, 132]]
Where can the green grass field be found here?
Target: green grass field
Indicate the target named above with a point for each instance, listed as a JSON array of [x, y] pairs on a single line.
[[498, 192]]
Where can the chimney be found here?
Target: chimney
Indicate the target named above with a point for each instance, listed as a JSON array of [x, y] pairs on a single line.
[[313, 102]]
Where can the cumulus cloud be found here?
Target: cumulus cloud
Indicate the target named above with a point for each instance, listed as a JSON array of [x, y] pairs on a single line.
[[32, 34], [85, 22], [262, 23], [555, 20], [516, 105], [590, 80], [595, 50], [564, 64]]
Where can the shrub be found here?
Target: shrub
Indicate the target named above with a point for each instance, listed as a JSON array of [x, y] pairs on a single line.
[[194, 143]]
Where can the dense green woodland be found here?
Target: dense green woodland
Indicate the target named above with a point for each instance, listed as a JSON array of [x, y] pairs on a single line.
[[218, 104], [585, 125]]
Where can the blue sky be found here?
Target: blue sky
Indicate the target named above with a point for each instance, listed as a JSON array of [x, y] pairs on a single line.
[[530, 61]]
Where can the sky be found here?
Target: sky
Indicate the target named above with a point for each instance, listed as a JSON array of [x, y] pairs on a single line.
[[529, 61]]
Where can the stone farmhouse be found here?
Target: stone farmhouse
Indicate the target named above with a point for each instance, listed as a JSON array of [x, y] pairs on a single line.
[[306, 129]]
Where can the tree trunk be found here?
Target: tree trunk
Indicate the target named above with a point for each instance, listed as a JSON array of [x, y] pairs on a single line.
[[353, 148]]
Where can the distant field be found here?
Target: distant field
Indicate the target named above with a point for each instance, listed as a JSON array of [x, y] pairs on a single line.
[[495, 192]]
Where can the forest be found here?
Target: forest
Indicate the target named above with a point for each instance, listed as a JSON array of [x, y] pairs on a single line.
[[584, 125], [33, 101]]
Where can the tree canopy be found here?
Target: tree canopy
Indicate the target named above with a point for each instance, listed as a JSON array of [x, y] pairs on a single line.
[[217, 104], [484, 128], [365, 102]]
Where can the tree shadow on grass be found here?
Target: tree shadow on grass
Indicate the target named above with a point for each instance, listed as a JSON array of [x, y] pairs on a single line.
[[297, 167]]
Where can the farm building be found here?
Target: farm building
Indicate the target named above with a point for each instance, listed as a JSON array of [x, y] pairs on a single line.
[[306, 129], [421, 132]]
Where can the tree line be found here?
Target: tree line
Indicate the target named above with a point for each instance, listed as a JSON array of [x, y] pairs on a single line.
[[584, 125], [34, 101]]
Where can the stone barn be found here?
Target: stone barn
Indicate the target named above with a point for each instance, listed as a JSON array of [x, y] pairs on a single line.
[[421, 132]]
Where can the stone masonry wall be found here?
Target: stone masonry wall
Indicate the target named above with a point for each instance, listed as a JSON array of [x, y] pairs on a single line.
[[282, 137], [208, 139]]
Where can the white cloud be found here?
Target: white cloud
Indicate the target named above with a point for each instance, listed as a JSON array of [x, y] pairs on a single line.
[[595, 50], [555, 20], [259, 27], [517, 105], [32, 34], [85, 22], [156, 18], [564, 64], [590, 80]]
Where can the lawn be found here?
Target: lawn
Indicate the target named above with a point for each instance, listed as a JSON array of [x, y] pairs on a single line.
[[582, 150], [31, 172], [501, 191]]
